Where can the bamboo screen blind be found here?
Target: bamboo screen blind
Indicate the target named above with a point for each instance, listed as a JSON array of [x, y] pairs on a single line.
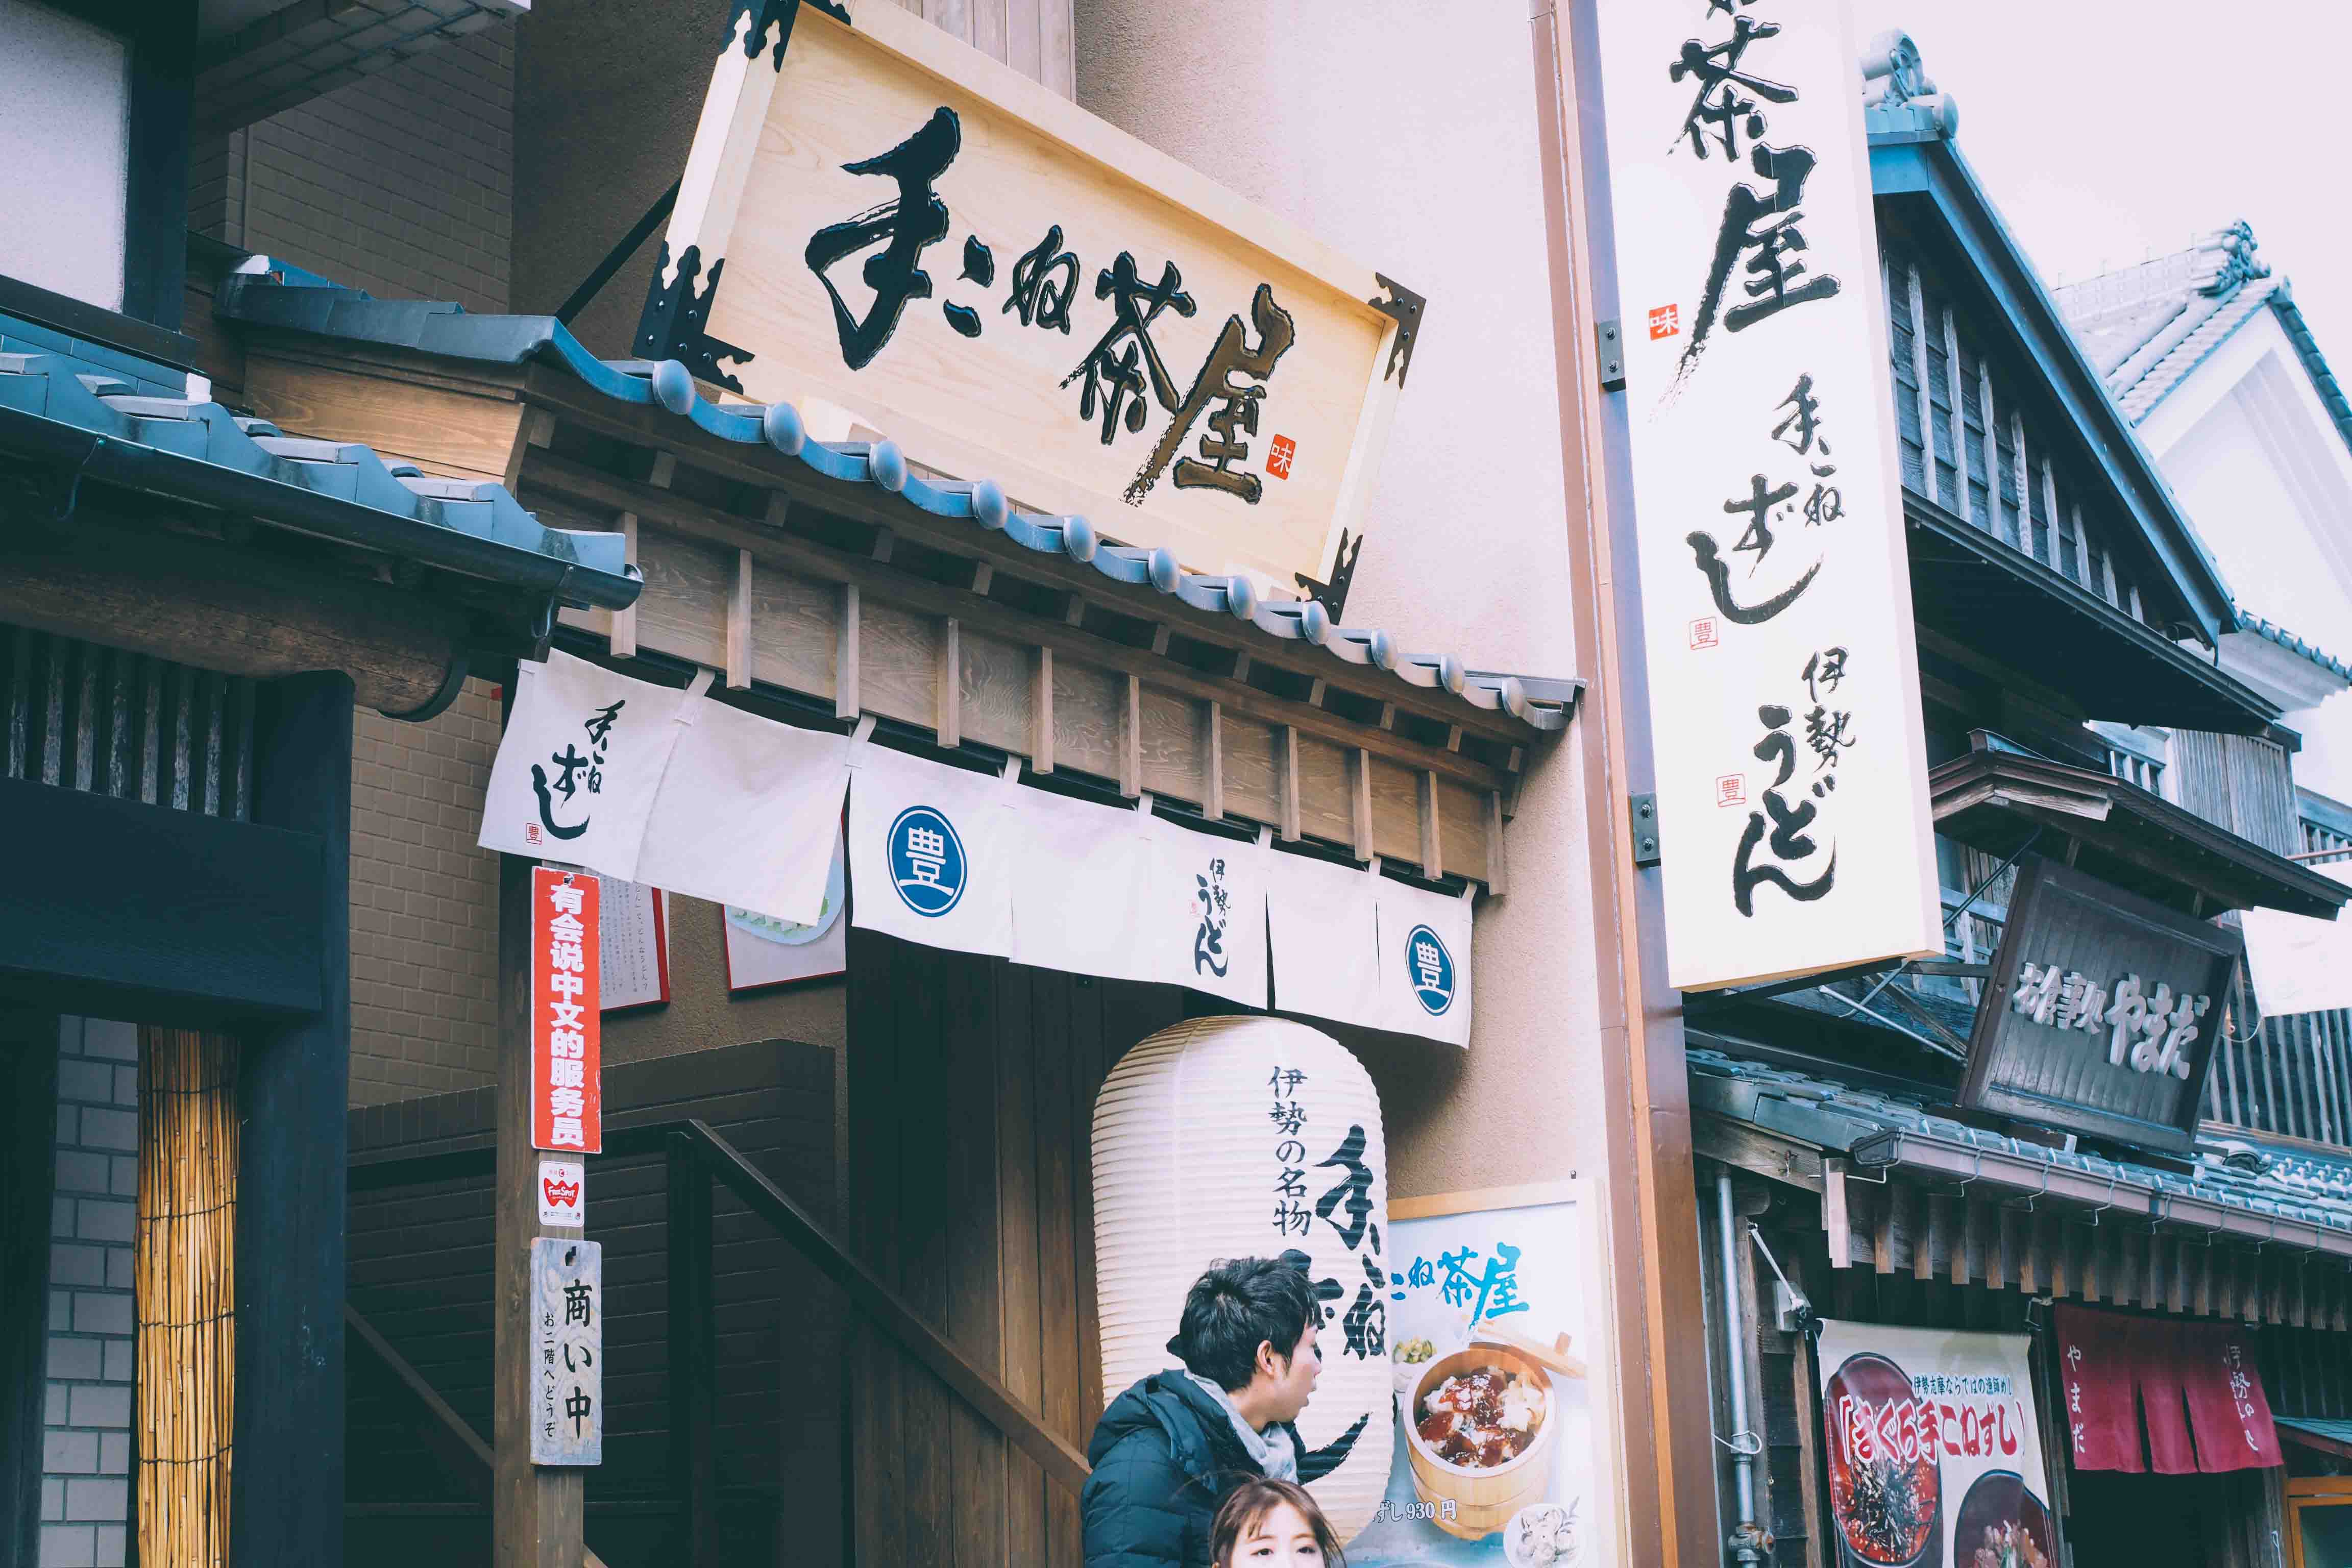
[[187, 1271]]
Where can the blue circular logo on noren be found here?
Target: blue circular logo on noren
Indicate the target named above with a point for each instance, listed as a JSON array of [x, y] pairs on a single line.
[[927, 860], [1430, 969]]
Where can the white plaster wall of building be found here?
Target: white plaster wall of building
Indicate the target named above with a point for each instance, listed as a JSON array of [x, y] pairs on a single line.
[[2267, 479], [1406, 135]]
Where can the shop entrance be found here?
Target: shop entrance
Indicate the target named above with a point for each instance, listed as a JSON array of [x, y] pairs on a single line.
[[2118, 1521]]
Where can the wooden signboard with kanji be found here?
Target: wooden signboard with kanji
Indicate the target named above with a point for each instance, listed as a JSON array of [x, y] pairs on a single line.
[[903, 238], [2102, 1011]]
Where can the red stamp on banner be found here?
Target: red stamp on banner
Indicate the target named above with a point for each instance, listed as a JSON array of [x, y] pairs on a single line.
[[1278, 456], [1665, 322], [1704, 634], [567, 1095], [1731, 789], [530, 833]]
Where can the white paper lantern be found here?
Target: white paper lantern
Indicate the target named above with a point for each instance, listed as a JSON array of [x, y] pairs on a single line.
[[1245, 1138]]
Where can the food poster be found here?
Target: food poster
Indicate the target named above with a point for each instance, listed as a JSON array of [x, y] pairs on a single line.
[[1934, 1451], [766, 950], [1488, 1342]]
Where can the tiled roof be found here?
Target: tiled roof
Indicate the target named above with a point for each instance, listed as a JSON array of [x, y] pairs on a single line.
[[2250, 622], [2295, 1187], [307, 304], [2149, 327], [107, 416]]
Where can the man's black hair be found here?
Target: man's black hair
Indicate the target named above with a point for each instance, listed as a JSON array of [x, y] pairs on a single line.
[[1239, 1305]]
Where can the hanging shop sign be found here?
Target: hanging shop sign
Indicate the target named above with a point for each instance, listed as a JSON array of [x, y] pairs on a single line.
[[2171, 1395], [567, 1351], [1784, 692], [2102, 1011], [649, 784], [567, 1093], [1485, 1301], [1933, 1447], [879, 219], [1236, 1137]]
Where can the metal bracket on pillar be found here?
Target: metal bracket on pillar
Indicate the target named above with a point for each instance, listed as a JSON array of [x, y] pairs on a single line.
[[1608, 353], [1646, 830]]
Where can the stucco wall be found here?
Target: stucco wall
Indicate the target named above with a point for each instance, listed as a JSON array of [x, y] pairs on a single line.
[[1438, 187], [1406, 135]]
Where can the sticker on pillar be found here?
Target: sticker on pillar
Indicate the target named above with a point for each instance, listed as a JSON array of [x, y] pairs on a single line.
[[926, 861], [567, 1351], [1430, 969], [562, 1193]]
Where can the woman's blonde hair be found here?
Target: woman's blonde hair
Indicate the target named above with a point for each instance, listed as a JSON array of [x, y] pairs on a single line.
[[1246, 1509]]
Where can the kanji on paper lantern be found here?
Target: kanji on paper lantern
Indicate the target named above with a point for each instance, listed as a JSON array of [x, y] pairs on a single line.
[[1249, 1137]]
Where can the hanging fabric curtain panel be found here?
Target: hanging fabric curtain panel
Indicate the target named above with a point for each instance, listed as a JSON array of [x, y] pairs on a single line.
[[652, 785], [2299, 964], [954, 858], [1935, 1455], [2189, 1386]]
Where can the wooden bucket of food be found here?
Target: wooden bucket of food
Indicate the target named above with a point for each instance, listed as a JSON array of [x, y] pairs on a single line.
[[1484, 1496]]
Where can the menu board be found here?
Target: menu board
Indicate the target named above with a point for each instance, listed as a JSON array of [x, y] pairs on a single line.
[[1488, 1301], [636, 944]]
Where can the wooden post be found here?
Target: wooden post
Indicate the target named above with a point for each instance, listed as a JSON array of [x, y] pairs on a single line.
[[693, 1352], [293, 1151], [537, 1513]]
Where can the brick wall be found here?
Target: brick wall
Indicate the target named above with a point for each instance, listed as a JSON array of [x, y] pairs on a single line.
[[423, 903], [86, 1419], [401, 183]]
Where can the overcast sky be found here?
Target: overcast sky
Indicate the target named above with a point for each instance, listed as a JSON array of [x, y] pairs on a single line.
[[2109, 133]]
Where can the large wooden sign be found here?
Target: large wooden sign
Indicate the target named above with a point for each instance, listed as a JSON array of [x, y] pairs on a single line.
[[2102, 1011], [877, 220], [1784, 684]]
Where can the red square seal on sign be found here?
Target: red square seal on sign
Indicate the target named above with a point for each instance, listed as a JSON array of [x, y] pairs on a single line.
[[1704, 634], [1731, 789], [1278, 456], [1665, 322]]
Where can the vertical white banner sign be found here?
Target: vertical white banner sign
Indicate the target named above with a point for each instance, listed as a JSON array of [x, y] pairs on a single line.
[[1784, 690]]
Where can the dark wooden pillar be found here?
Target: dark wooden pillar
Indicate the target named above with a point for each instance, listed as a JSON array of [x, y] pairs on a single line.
[[294, 1089], [28, 1120]]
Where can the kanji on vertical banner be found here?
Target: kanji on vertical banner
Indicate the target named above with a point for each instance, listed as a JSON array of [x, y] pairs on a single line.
[[566, 1056]]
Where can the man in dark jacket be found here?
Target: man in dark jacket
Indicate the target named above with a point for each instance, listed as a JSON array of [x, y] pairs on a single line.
[[1171, 1449]]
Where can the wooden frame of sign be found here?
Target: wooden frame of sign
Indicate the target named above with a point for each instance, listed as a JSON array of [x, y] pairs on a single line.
[[787, 278], [2063, 1076]]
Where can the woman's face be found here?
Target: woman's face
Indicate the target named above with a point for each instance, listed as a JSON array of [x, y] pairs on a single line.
[[1281, 1540]]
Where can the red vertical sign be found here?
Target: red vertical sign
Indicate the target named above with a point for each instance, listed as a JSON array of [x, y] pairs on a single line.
[[567, 1096]]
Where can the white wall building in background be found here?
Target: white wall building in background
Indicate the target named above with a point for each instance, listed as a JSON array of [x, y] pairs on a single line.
[[2207, 354], [65, 152]]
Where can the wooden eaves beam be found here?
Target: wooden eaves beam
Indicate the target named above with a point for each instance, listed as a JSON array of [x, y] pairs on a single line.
[[657, 429]]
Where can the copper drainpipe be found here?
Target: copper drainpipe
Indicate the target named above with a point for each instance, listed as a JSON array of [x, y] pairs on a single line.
[[1657, 1273]]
